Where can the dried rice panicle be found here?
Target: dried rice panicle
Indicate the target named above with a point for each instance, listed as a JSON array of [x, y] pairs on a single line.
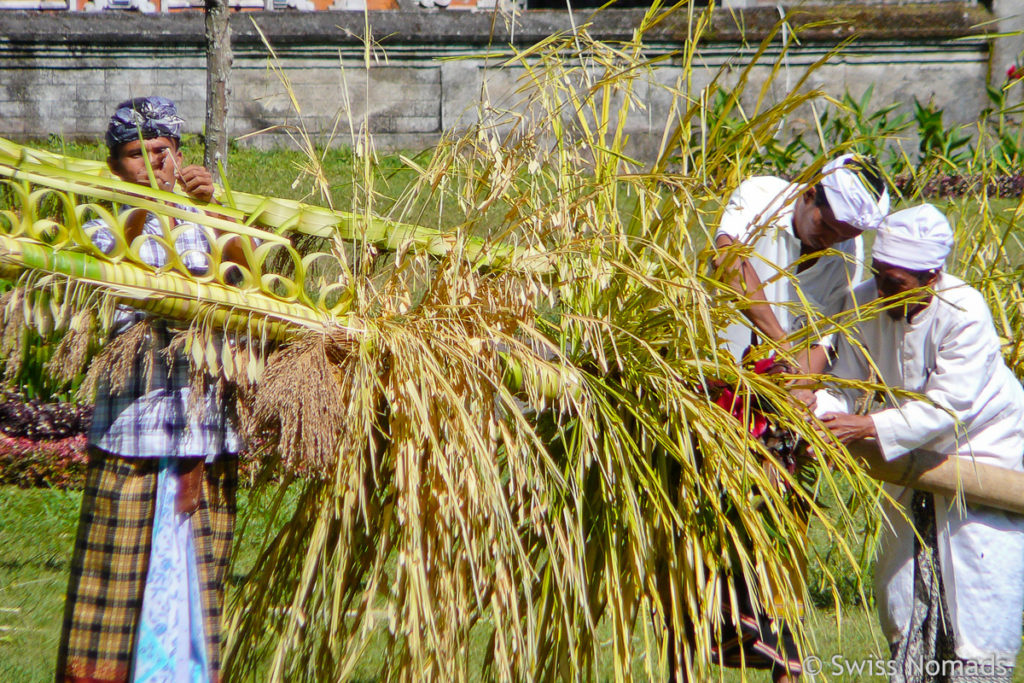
[[301, 398], [121, 358]]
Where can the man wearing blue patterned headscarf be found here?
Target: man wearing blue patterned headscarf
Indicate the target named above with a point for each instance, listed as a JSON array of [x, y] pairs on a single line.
[[154, 535], [152, 125], [154, 116]]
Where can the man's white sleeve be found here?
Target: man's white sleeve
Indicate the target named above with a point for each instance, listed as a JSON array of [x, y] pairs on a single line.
[[849, 363], [966, 355], [830, 401], [755, 203]]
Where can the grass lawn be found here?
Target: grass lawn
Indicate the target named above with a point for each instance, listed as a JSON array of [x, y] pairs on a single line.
[[37, 535], [279, 172]]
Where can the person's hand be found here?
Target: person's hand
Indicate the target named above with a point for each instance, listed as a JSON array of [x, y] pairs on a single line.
[[197, 182], [805, 396], [134, 222], [845, 428]]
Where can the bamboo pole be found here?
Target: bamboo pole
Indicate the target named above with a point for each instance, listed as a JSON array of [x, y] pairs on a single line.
[[978, 483]]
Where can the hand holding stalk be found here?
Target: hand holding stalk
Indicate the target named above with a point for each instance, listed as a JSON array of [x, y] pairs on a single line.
[[195, 180]]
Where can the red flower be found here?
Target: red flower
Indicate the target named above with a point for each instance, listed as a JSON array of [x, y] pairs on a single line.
[[728, 401], [759, 426], [1014, 73], [725, 401], [764, 365]]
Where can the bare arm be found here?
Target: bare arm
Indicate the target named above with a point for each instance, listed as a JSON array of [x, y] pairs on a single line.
[[134, 223], [812, 361], [198, 184], [741, 276]]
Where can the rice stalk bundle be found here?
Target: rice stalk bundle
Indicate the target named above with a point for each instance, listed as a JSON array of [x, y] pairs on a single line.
[[530, 459]]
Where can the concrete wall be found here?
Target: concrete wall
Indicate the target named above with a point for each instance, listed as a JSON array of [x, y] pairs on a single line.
[[1010, 48], [746, 4], [63, 73]]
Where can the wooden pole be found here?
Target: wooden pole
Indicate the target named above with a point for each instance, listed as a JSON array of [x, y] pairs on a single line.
[[979, 484], [218, 67]]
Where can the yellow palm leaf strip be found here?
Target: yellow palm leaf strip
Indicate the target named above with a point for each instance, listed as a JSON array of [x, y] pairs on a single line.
[[17, 162], [129, 194], [385, 233], [166, 294], [12, 150]]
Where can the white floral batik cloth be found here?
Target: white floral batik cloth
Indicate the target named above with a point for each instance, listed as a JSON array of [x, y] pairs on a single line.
[[170, 647]]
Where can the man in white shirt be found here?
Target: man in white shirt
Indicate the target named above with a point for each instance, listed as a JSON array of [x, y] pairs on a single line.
[[805, 254], [793, 252], [949, 579]]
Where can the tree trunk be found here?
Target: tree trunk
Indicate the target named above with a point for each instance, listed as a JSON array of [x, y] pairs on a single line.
[[218, 67]]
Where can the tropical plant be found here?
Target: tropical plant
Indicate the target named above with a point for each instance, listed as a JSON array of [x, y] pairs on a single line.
[[25, 361], [941, 146], [1003, 128], [855, 125], [508, 423]]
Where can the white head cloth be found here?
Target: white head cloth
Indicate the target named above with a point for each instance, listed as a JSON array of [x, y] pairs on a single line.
[[850, 198], [918, 238]]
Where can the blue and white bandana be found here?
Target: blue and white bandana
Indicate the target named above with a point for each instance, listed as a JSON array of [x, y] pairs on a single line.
[[155, 117]]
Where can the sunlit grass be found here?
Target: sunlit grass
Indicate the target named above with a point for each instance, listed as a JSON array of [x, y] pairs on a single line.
[[37, 537]]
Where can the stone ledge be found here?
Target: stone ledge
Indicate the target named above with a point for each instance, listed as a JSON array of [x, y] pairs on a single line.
[[823, 24]]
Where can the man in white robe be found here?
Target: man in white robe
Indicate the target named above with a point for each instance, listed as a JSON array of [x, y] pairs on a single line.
[[806, 253], [952, 594], [793, 252]]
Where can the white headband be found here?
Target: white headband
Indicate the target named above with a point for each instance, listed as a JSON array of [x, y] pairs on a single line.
[[918, 238], [849, 197]]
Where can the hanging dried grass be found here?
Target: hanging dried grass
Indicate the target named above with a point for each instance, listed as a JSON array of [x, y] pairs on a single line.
[[122, 359], [13, 331], [302, 402], [74, 351]]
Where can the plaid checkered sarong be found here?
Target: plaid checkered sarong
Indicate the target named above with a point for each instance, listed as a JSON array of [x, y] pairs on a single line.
[[111, 559]]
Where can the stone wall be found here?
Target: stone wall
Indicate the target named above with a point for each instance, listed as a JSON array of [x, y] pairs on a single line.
[[62, 73], [745, 4]]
